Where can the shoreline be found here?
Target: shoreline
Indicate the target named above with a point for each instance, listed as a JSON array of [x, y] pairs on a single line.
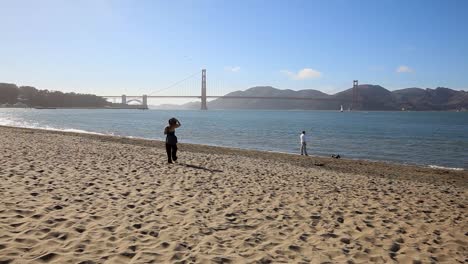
[[80, 108], [79, 131], [346, 165], [252, 109]]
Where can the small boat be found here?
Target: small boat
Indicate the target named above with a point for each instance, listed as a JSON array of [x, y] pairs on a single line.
[[341, 109]]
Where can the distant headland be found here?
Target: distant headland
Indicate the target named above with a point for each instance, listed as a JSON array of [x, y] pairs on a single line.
[[370, 98], [12, 96]]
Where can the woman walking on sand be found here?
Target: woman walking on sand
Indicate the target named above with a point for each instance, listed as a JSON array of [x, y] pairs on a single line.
[[171, 139]]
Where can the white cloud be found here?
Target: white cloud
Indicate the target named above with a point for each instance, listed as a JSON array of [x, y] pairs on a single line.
[[232, 68], [404, 69], [306, 73]]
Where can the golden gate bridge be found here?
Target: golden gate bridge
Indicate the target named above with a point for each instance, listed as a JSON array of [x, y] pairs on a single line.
[[143, 99]]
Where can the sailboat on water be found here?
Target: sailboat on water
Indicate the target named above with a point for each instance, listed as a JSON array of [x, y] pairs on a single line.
[[341, 109]]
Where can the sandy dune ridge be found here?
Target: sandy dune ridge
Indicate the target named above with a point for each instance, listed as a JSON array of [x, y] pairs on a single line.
[[74, 198]]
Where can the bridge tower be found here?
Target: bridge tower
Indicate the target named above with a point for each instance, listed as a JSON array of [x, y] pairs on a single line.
[[145, 101], [355, 94], [203, 91], [124, 99]]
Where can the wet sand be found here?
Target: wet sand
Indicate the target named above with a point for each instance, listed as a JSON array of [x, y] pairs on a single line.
[[79, 198]]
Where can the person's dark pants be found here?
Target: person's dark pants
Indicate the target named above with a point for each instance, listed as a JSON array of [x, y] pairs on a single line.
[[171, 150], [304, 149]]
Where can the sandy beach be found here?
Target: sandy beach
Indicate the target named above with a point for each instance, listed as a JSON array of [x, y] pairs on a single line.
[[82, 198]]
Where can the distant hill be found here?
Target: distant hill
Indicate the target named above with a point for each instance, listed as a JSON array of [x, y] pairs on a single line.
[[268, 91], [27, 96], [370, 97], [167, 106], [431, 99]]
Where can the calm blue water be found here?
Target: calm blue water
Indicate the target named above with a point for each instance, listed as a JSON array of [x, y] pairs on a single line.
[[428, 138]]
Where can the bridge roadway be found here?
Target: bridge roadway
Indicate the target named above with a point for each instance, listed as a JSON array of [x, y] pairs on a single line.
[[230, 97]]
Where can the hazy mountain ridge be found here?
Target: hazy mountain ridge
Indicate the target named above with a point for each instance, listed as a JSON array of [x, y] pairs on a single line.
[[370, 97]]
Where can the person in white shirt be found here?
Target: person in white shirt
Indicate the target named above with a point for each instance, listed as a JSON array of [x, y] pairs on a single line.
[[303, 144]]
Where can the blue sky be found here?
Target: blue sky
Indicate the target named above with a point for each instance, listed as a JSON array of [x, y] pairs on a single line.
[[137, 47]]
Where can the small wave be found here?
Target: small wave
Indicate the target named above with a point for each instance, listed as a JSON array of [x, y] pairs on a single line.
[[8, 122], [445, 168], [73, 130], [23, 124]]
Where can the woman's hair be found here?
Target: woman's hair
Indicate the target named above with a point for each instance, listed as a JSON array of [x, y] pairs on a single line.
[[172, 121]]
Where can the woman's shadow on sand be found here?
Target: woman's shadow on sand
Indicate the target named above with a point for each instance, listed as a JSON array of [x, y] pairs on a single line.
[[199, 167]]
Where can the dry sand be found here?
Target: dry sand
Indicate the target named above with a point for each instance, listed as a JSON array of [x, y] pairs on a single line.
[[71, 198]]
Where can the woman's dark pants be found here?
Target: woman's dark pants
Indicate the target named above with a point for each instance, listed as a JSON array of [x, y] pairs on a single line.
[[171, 150]]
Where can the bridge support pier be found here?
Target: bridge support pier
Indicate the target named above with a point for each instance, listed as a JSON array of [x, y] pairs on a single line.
[[203, 91], [145, 101], [355, 95], [124, 99]]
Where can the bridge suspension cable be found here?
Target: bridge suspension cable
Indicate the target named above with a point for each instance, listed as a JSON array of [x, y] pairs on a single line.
[[176, 83]]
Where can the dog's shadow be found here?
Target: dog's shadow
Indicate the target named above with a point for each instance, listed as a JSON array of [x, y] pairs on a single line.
[[198, 167]]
